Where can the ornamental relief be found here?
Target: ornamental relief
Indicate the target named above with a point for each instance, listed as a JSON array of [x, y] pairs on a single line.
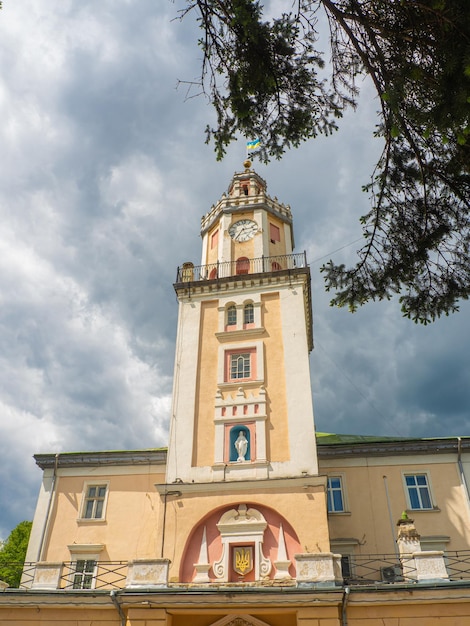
[[239, 620]]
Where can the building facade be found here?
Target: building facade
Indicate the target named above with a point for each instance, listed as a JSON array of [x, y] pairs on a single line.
[[249, 518]]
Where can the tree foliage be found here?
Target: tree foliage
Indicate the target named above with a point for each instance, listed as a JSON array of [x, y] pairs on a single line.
[[267, 79], [13, 553]]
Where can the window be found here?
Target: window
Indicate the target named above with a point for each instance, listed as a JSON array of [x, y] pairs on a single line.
[[249, 314], [243, 265], [214, 239], [240, 365], [275, 267], [335, 498], [274, 233], [232, 316], [419, 494], [93, 505], [84, 574]]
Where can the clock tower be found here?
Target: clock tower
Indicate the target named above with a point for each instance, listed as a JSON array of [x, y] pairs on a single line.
[[242, 429]]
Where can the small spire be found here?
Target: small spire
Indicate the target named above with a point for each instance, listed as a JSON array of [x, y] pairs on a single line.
[[247, 164]]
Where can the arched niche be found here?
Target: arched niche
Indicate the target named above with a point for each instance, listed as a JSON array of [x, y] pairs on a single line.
[[237, 432], [209, 545]]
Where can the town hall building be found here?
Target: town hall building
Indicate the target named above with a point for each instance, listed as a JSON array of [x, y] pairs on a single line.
[[249, 517]]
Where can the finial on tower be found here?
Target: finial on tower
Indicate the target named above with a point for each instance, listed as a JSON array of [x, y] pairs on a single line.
[[247, 164]]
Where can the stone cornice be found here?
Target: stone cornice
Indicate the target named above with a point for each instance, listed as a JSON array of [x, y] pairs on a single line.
[[392, 448], [234, 486], [395, 447], [114, 457], [255, 280], [258, 281]]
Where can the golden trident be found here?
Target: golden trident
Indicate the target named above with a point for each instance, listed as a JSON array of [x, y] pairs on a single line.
[[242, 560]]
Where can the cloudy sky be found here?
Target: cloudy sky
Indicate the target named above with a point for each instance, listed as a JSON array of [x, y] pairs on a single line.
[[104, 177]]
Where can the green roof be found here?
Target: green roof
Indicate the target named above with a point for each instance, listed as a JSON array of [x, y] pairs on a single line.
[[325, 439]]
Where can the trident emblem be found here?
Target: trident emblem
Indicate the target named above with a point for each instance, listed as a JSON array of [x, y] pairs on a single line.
[[243, 559]]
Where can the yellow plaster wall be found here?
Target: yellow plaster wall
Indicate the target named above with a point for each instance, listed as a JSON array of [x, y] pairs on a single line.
[[60, 616], [277, 426], [281, 618], [130, 527], [406, 608], [278, 248], [416, 609], [305, 510], [212, 253], [369, 520], [206, 386]]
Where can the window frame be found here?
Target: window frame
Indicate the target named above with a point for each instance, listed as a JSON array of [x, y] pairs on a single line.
[[249, 306], [85, 499], [83, 553], [249, 356], [274, 233], [329, 494], [418, 488], [231, 311], [84, 575], [256, 348]]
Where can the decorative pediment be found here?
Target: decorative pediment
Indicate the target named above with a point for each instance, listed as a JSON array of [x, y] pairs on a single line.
[[243, 526], [241, 520], [239, 620]]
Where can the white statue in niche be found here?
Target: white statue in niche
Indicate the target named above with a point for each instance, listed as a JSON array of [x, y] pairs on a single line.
[[241, 445]]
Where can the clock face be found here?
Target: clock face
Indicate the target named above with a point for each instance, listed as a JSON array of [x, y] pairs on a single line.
[[243, 230]]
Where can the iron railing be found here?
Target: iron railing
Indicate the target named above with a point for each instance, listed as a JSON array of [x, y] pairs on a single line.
[[357, 570], [373, 569], [188, 273], [94, 575]]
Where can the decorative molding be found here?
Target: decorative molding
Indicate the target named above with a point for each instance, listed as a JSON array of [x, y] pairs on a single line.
[[237, 526], [250, 485], [239, 620], [318, 568], [282, 563], [148, 574], [430, 567], [202, 566], [47, 576], [243, 333], [80, 459], [86, 548]]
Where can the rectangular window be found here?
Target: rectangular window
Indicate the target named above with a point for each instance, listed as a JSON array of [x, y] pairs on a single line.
[[93, 506], [335, 494], [274, 233], [84, 574], [214, 239], [419, 494]]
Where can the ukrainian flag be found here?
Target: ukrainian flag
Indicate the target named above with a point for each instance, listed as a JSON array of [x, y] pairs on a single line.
[[253, 145]]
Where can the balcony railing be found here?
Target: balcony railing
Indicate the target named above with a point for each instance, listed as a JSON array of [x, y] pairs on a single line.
[[356, 570], [188, 273]]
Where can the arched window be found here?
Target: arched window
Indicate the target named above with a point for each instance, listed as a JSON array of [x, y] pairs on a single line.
[[243, 265], [248, 314], [213, 274], [232, 315], [240, 365], [275, 267]]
